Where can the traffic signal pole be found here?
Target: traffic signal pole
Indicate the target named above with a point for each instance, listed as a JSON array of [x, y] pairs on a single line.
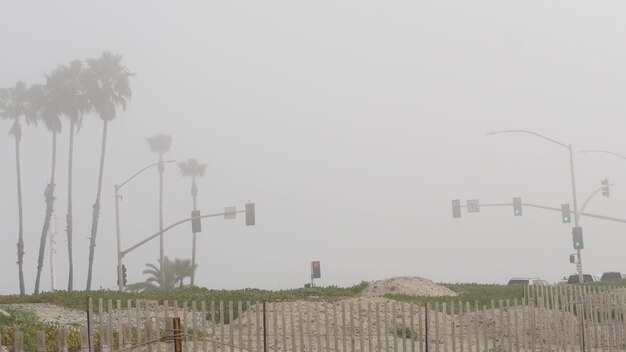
[[117, 219], [579, 264], [120, 282], [571, 163]]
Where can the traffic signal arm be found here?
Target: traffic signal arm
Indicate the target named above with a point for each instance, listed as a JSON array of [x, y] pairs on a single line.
[[139, 244], [582, 213]]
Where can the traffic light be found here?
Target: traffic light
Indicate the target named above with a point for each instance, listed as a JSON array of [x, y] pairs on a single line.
[[517, 206], [606, 192], [250, 214], [577, 238], [566, 214], [196, 225], [572, 258], [123, 275], [456, 208], [315, 270]]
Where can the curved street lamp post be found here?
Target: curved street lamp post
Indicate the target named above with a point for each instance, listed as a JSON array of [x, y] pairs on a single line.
[[579, 264], [118, 197]]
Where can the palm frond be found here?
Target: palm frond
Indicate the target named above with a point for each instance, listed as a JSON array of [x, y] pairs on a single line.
[[192, 168], [160, 143], [108, 85]]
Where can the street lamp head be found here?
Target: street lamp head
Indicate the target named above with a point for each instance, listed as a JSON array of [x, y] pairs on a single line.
[[604, 152]]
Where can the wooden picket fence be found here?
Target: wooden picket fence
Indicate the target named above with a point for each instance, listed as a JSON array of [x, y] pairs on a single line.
[[557, 318]]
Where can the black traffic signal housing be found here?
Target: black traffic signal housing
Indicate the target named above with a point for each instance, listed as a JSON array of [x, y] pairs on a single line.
[[572, 258], [606, 191], [566, 213], [196, 223], [250, 216], [125, 281], [577, 238], [456, 208], [517, 206], [316, 272]]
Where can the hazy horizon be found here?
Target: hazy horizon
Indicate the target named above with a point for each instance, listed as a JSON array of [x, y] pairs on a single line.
[[351, 125]]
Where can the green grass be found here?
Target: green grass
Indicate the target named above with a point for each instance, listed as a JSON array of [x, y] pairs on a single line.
[[78, 299], [481, 293], [29, 325]]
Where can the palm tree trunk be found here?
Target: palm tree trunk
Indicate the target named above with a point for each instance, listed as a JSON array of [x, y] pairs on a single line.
[[20, 234], [49, 196], [96, 206], [68, 218], [194, 191], [161, 253]]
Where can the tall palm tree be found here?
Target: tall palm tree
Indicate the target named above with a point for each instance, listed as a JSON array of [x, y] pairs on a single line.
[[74, 104], [13, 106], [108, 87], [160, 144], [193, 169], [44, 107], [165, 276]]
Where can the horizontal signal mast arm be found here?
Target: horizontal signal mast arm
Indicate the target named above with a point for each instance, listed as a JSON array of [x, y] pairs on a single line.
[[591, 215], [172, 226]]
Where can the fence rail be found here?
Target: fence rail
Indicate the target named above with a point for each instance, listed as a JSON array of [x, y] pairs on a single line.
[[558, 318]]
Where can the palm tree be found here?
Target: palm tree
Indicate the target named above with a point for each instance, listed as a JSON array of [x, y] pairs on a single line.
[[45, 107], [165, 276], [193, 169], [74, 104], [183, 268], [160, 144], [108, 87], [13, 106]]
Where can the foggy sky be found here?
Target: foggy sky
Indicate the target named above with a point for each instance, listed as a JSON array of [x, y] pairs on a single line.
[[350, 124]]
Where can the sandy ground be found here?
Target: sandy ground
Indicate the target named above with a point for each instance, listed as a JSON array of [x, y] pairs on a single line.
[[407, 285], [53, 314]]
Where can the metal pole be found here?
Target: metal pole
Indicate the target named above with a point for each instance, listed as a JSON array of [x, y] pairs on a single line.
[[579, 265], [161, 169], [120, 279], [117, 219], [193, 245]]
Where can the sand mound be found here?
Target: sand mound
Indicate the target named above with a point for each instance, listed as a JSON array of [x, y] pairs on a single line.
[[407, 285]]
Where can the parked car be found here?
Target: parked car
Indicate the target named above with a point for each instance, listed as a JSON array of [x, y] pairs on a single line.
[[531, 281], [573, 279], [612, 275]]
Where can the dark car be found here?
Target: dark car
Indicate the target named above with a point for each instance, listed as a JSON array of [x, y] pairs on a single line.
[[573, 279], [611, 275]]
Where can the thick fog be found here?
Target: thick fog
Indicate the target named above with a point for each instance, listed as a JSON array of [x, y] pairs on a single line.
[[351, 124]]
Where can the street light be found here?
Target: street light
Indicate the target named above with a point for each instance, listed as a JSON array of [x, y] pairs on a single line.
[[603, 151], [117, 220], [571, 162]]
